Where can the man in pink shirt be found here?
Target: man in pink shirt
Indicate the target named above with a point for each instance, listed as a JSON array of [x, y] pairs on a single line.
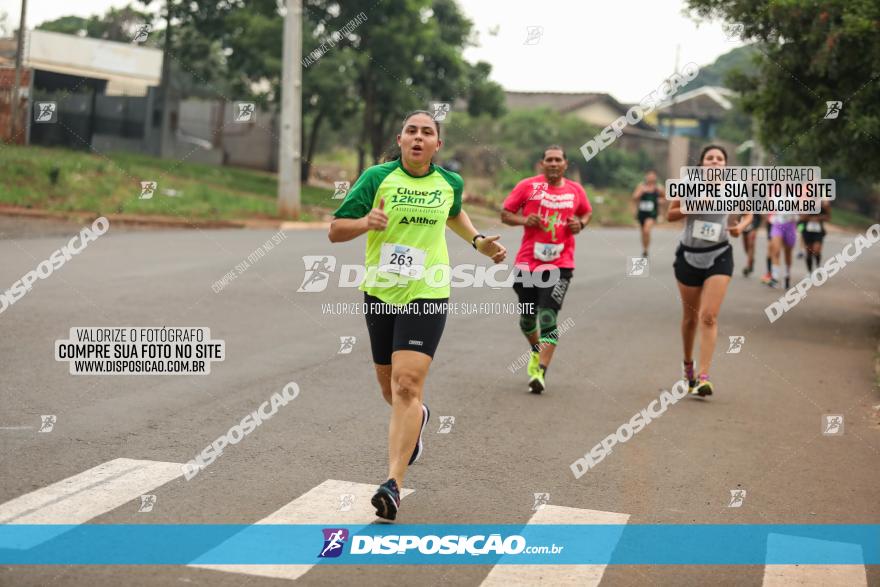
[[552, 210]]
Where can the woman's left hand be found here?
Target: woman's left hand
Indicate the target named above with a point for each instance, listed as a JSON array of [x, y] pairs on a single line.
[[491, 248], [735, 230]]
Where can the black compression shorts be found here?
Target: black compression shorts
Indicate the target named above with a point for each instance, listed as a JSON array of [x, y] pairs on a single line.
[[543, 297], [417, 326]]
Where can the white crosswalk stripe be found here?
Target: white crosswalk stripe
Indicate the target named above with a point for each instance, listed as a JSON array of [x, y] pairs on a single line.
[[320, 505], [583, 575], [87, 495], [814, 575]]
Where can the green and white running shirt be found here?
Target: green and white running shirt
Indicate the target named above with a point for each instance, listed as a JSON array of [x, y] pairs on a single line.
[[415, 238]]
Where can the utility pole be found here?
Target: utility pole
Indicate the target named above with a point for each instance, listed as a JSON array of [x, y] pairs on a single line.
[[16, 87], [290, 133], [166, 141], [672, 98]]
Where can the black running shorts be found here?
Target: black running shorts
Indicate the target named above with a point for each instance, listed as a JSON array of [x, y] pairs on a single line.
[[642, 216], [543, 297], [811, 237], [687, 274], [417, 326]]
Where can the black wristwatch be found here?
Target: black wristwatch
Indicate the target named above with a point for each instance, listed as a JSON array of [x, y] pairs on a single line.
[[583, 224], [474, 240]]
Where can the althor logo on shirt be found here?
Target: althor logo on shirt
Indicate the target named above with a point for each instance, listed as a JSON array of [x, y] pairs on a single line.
[[418, 221]]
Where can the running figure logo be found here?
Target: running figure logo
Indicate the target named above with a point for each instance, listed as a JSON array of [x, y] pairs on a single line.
[[147, 189], [346, 500], [147, 503], [141, 34], [244, 112], [832, 424], [45, 111], [346, 344], [334, 539], [637, 267], [47, 423], [834, 107], [440, 110], [533, 35], [446, 424], [318, 270], [551, 222], [541, 499], [435, 197], [736, 344], [737, 497], [341, 189]]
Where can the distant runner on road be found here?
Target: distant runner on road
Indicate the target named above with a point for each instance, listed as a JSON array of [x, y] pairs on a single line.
[[813, 235], [647, 197], [750, 235], [783, 238]]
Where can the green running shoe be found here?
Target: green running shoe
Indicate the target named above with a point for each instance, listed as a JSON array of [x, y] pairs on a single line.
[[534, 361], [536, 383]]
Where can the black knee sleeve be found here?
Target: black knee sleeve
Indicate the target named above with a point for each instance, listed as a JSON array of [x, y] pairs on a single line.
[[528, 324], [547, 320]]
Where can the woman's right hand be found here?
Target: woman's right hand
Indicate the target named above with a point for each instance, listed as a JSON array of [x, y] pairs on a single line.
[[377, 219]]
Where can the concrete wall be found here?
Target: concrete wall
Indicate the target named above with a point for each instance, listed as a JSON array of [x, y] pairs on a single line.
[[246, 144]]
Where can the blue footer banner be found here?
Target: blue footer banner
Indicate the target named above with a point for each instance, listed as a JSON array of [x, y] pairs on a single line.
[[480, 544]]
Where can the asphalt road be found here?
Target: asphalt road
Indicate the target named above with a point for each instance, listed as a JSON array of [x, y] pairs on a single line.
[[761, 431]]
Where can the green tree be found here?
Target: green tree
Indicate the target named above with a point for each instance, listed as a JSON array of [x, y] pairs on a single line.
[[68, 25], [117, 24], [810, 53], [483, 96], [410, 54]]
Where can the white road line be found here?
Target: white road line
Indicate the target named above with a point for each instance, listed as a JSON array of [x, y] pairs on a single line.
[[319, 505], [89, 494], [503, 575], [813, 575]]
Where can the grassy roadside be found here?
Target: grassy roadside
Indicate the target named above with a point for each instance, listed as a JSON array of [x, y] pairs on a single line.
[[88, 182], [108, 185], [850, 220]]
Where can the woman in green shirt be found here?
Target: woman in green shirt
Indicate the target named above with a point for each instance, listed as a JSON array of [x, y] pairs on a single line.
[[404, 206]]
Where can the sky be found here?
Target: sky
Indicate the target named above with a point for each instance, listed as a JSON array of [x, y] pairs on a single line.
[[623, 47]]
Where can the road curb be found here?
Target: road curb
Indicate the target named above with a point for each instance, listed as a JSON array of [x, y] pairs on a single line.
[[161, 221]]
